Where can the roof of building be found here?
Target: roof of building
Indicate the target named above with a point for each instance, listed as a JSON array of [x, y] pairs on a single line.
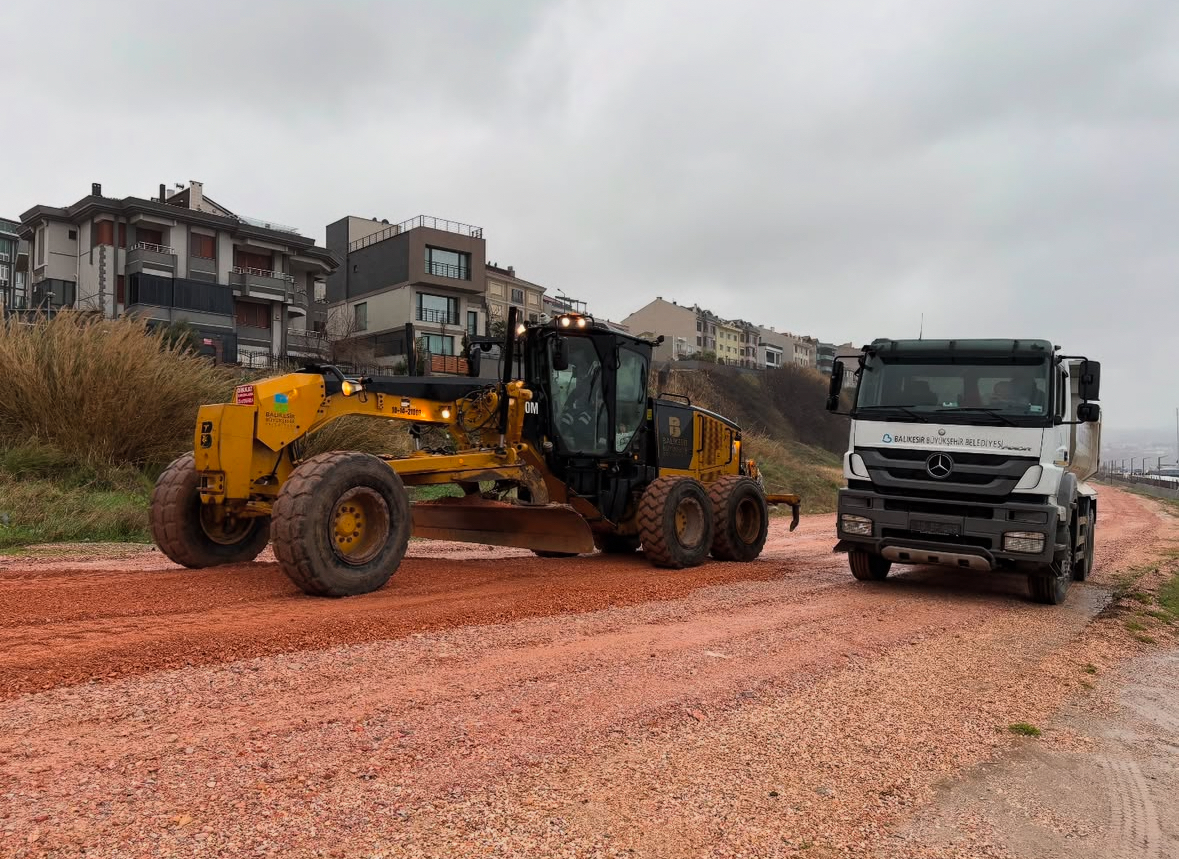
[[93, 204]]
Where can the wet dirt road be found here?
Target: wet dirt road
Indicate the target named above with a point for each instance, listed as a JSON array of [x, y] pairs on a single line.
[[489, 703]]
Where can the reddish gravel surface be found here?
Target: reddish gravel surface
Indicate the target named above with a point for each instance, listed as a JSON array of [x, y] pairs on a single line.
[[489, 703]]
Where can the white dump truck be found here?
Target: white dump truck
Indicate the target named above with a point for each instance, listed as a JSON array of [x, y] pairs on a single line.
[[973, 454]]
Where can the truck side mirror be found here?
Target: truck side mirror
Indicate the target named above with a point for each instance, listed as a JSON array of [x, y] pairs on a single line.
[[836, 386], [1089, 386], [560, 359], [1088, 413]]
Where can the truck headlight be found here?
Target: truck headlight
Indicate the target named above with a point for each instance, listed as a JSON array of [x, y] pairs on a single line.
[[1028, 542], [861, 525]]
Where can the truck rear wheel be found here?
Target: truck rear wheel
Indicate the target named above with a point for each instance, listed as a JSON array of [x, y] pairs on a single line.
[[868, 567], [741, 518], [186, 531], [341, 524], [1050, 586], [676, 522]]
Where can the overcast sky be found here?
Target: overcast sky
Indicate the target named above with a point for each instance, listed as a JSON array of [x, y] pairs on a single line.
[[831, 168]]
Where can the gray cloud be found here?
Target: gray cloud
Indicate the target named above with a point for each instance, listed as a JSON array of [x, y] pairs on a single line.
[[836, 169]]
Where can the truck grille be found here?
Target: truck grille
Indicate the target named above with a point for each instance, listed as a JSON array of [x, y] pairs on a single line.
[[972, 475]]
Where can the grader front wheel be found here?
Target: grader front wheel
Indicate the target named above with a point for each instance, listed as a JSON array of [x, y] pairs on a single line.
[[189, 532], [341, 524]]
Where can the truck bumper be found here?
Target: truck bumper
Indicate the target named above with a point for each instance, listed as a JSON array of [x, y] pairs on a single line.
[[968, 535]]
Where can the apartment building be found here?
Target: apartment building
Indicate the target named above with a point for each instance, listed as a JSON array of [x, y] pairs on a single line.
[[178, 256], [505, 290], [825, 357], [771, 348], [427, 270], [684, 331], [749, 339], [14, 258]]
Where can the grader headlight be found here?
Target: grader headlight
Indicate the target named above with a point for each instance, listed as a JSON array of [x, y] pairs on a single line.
[[350, 388]]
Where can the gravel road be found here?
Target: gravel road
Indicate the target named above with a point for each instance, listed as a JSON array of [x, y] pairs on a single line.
[[489, 703]]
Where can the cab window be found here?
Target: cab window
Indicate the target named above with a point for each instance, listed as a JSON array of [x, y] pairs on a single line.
[[631, 406], [578, 403]]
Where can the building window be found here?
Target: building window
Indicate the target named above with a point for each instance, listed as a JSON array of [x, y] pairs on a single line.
[[147, 236], [443, 263], [102, 233], [120, 290], [247, 259], [252, 315], [73, 234], [360, 316], [472, 323], [203, 247], [532, 317], [122, 235], [438, 309], [438, 344], [40, 246], [517, 296], [699, 341]]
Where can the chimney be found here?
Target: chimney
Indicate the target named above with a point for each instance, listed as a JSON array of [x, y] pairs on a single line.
[[196, 195], [163, 193], [96, 189], [511, 271]]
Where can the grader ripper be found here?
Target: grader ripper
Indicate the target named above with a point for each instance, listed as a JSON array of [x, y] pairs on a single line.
[[578, 454]]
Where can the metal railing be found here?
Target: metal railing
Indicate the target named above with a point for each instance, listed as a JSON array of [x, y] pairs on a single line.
[[261, 272], [446, 269], [7, 226], [267, 225], [150, 248], [440, 317], [420, 221]]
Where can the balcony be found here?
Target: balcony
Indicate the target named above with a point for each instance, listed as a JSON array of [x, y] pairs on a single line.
[[438, 317], [11, 228], [413, 223], [445, 269], [202, 268], [143, 255], [261, 283]]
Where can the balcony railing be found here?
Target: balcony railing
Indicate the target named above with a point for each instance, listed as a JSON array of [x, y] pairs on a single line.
[[261, 272], [445, 269], [7, 226], [439, 317], [150, 248], [420, 221]]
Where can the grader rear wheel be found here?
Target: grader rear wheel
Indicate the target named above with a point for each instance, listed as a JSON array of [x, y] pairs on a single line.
[[742, 518], [188, 532], [676, 522], [341, 524]]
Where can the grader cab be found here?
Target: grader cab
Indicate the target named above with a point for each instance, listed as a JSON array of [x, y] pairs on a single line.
[[567, 454]]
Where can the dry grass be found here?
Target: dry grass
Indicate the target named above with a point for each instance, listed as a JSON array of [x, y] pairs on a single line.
[[101, 391]]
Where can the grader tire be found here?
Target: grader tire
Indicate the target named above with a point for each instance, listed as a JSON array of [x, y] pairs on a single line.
[[181, 530], [341, 524], [675, 522], [741, 518]]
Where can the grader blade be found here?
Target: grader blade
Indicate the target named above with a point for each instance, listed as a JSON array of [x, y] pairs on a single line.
[[545, 528]]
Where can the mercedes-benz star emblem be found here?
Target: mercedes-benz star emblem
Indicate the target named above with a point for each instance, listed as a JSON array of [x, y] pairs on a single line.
[[939, 466]]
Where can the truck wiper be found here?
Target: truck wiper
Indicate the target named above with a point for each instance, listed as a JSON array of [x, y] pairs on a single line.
[[990, 411], [906, 409]]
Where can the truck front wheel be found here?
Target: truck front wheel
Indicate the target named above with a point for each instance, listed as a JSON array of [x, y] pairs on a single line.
[[1050, 586], [868, 567]]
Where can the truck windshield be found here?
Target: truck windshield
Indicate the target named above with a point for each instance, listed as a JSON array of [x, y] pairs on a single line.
[[1012, 392]]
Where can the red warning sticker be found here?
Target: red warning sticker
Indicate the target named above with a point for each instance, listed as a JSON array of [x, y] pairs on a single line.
[[243, 395]]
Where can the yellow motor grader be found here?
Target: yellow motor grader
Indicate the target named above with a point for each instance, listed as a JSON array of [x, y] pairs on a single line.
[[578, 455]]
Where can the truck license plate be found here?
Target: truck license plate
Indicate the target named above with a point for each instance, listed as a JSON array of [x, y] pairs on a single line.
[[926, 526]]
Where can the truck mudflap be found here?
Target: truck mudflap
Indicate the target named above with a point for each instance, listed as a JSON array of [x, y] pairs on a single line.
[[793, 500]]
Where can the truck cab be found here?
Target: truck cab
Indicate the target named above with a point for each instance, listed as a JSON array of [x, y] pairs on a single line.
[[972, 454]]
